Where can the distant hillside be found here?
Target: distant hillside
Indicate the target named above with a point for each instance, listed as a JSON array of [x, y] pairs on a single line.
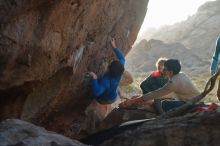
[[198, 32], [143, 56], [191, 41]]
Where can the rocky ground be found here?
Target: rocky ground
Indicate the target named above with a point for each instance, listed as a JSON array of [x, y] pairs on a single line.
[[15, 132]]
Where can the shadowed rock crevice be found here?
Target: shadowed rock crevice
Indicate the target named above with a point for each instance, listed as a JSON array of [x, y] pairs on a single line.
[[12, 100]]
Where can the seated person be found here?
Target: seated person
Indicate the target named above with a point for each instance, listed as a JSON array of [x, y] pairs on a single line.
[[178, 83], [156, 79]]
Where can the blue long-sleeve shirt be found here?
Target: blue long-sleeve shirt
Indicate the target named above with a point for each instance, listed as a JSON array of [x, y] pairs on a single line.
[[215, 57], [105, 87]]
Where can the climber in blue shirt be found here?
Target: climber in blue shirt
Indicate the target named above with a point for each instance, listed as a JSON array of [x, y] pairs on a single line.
[[105, 87], [215, 60]]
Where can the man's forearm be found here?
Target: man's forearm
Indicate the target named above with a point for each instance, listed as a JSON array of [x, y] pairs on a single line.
[[146, 97]]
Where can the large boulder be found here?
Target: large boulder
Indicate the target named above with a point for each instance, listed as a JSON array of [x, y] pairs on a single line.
[[15, 132], [47, 45], [120, 115], [193, 129], [190, 130]]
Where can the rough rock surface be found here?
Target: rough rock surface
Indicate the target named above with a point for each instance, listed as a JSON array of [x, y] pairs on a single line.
[[118, 116], [20, 133], [202, 129], [47, 45]]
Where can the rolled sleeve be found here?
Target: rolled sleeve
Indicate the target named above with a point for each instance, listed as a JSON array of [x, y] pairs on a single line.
[[119, 55]]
